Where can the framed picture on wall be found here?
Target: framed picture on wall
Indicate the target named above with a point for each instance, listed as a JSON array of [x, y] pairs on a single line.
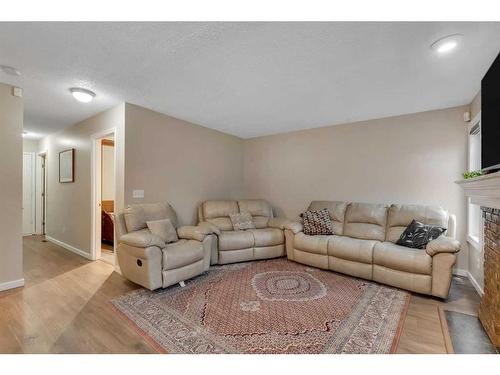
[[67, 166]]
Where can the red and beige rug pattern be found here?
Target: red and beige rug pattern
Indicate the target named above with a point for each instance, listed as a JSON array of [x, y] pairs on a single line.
[[273, 306]]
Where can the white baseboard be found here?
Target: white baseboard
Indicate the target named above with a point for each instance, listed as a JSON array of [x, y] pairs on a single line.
[[475, 284], [460, 272], [11, 284], [69, 247]]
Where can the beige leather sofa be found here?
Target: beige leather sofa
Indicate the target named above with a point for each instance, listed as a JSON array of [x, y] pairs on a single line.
[[148, 261], [364, 245], [264, 242]]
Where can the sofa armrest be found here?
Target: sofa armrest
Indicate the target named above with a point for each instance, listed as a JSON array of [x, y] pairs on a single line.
[[294, 226], [142, 238], [191, 232], [278, 222], [442, 244], [209, 227]]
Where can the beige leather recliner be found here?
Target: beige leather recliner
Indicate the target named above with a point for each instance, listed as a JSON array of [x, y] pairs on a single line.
[[148, 261], [265, 242], [364, 245]]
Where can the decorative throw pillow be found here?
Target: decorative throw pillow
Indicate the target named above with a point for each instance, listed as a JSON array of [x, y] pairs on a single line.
[[163, 229], [317, 222], [417, 235], [242, 221]]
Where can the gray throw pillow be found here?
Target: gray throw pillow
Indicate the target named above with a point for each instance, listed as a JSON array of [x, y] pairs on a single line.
[[242, 221], [164, 229]]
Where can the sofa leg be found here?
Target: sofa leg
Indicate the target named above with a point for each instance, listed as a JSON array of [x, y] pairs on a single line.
[[182, 284]]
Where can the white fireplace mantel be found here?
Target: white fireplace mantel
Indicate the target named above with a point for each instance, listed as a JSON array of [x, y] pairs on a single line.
[[483, 190]]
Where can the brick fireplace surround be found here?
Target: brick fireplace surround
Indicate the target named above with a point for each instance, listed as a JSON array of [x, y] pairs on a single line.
[[489, 310], [485, 192]]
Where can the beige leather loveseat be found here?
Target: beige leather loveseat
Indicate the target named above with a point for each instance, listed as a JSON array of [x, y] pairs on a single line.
[[147, 260], [364, 245], [264, 242]]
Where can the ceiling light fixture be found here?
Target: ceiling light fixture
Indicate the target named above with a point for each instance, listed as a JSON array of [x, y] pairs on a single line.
[[82, 95], [25, 133], [10, 70], [447, 43]]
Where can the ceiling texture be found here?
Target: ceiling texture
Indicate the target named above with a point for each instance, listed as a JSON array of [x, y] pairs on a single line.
[[245, 79]]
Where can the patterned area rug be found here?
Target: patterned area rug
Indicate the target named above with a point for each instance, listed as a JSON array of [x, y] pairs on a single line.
[[273, 306]]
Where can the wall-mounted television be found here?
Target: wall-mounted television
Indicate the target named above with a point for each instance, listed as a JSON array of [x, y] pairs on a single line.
[[490, 118]]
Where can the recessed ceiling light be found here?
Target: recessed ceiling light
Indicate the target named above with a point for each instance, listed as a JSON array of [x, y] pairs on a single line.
[[10, 70], [82, 95], [447, 44], [25, 133]]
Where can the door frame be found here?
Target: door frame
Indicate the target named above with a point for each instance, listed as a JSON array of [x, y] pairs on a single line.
[[95, 248], [33, 192], [41, 192]]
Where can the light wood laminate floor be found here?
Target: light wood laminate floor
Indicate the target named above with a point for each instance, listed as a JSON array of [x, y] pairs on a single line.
[[64, 308]]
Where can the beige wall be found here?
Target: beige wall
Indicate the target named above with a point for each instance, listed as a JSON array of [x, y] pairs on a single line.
[[69, 207], [179, 162], [407, 159], [30, 145], [11, 127]]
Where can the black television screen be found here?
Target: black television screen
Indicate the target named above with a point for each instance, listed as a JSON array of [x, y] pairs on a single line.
[[490, 118]]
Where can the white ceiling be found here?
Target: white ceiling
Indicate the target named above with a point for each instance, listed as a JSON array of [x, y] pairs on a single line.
[[246, 79]]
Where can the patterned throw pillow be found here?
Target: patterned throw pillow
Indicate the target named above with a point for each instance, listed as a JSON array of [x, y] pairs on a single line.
[[242, 221], [317, 222], [417, 235]]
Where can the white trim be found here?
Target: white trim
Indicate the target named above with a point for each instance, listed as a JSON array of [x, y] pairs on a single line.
[[11, 284], [69, 247], [475, 284], [460, 272], [33, 193], [95, 172], [474, 242]]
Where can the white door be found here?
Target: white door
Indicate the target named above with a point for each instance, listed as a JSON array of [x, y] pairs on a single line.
[[28, 193]]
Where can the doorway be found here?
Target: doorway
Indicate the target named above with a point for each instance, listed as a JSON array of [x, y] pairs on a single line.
[[28, 193], [103, 197]]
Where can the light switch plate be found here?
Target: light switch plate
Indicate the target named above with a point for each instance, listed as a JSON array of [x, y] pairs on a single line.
[[17, 91], [138, 194]]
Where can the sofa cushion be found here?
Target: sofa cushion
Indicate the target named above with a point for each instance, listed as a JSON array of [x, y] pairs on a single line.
[[142, 238], [311, 244], [352, 249], [182, 253], [231, 240], [317, 222], [242, 221], [402, 258], [260, 210], [267, 237], [137, 215], [401, 215], [217, 213], [336, 210], [366, 221], [164, 229], [418, 235]]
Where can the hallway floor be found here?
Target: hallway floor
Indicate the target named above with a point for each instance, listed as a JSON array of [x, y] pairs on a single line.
[[64, 308]]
